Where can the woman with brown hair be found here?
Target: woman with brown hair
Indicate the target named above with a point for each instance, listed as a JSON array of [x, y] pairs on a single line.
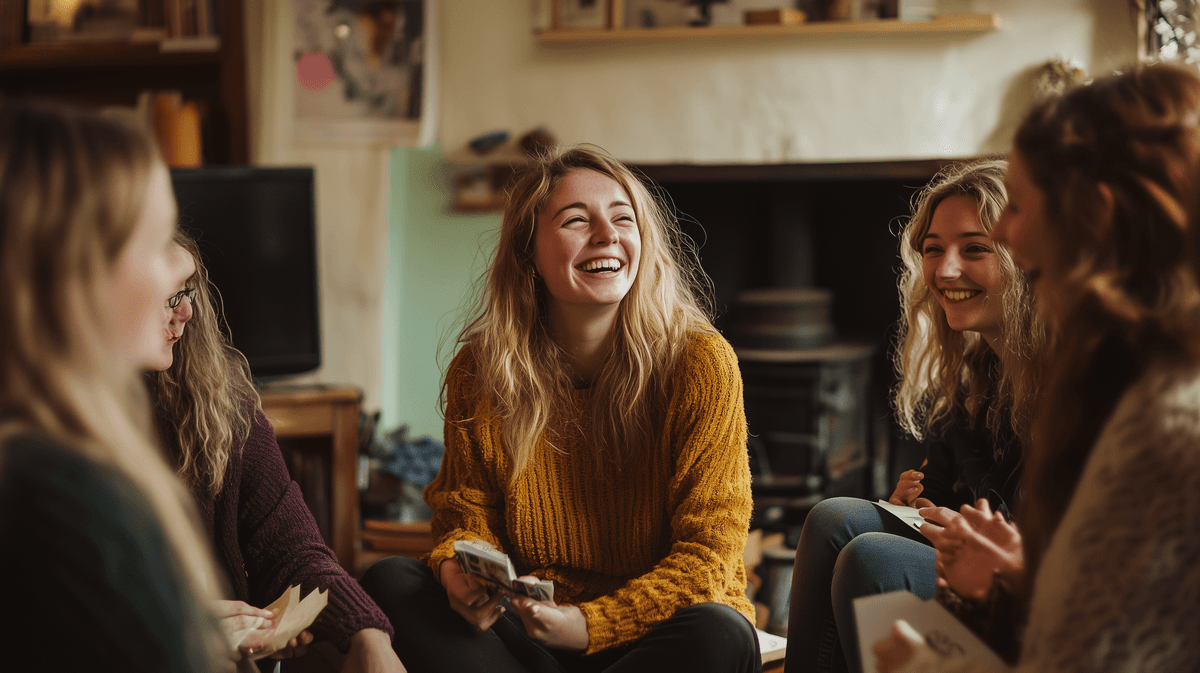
[[105, 566], [209, 416], [1099, 186], [595, 434]]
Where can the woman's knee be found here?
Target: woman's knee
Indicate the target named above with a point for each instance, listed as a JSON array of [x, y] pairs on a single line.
[[718, 631], [395, 578], [878, 563], [840, 520]]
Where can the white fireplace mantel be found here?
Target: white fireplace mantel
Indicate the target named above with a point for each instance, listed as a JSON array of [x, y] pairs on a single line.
[[785, 99]]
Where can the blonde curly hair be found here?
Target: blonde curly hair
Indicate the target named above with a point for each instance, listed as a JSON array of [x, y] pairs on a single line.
[[942, 372], [204, 403]]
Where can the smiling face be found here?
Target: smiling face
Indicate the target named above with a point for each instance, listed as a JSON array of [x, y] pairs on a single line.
[[148, 270], [587, 245], [960, 267], [1021, 227]]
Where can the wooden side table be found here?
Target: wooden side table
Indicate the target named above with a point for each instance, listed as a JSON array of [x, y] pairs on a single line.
[[313, 416]]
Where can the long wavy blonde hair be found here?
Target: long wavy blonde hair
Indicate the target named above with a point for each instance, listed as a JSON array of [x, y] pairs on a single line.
[[73, 186], [205, 401], [523, 371], [942, 372]]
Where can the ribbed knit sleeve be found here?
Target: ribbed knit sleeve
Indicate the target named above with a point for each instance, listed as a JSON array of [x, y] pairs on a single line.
[[709, 497], [629, 549], [466, 500], [281, 544]]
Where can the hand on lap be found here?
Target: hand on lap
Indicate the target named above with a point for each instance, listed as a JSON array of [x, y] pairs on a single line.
[[469, 597]]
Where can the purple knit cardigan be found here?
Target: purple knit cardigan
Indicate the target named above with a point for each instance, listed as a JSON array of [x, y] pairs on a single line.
[[264, 535]]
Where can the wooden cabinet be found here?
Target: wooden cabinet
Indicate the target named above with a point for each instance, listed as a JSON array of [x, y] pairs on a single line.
[[98, 74], [317, 429]]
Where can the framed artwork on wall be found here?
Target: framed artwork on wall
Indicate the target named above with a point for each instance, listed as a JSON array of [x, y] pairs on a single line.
[[364, 70]]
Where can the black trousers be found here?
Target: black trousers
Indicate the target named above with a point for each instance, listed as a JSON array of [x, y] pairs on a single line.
[[432, 637]]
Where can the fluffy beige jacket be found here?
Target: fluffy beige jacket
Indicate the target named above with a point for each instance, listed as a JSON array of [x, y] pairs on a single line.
[[1119, 586]]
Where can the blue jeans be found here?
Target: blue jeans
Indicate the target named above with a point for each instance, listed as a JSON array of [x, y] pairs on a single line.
[[848, 548]]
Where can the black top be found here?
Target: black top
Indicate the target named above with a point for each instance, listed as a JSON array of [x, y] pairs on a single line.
[[90, 583], [963, 468]]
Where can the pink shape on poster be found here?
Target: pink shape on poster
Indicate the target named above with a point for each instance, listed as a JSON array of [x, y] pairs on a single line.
[[315, 71]]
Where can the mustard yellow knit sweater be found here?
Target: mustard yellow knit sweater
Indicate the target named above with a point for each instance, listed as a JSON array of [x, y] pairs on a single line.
[[628, 553]]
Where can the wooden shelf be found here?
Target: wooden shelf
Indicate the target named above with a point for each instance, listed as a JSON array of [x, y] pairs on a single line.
[[945, 23], [332, 413], [210, 70], [76, 55]]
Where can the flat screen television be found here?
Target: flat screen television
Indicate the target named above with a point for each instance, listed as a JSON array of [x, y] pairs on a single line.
[[256, 228]]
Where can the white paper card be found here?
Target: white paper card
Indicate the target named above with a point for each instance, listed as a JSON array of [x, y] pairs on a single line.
[[909, 515], [942, 632], [771, 646]]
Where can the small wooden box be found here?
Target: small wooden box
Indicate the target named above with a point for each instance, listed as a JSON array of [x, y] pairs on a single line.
[[775, 17]]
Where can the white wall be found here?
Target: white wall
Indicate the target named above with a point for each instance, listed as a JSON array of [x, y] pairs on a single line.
[[352, 183], [769, 100], [765, 100]]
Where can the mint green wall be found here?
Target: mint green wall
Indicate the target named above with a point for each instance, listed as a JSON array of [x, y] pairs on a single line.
[[433, 258]]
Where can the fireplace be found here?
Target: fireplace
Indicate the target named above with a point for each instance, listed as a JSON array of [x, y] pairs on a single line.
[[819, 419]]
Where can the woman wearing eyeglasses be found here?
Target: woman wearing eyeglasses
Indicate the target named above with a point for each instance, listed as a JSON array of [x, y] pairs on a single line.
[[211, 422]]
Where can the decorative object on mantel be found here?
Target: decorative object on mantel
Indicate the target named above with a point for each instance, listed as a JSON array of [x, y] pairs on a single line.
[[943, 23], [583, 14], [536, 141], [1054, 77], [774, 17], [1167, 31], [586, 14], [481, 189], [487, 142]]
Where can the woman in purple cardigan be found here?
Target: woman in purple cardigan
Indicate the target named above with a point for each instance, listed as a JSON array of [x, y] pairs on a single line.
[[211, 423]]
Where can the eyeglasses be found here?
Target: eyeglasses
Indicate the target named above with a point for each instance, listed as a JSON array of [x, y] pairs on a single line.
[[177, 298]]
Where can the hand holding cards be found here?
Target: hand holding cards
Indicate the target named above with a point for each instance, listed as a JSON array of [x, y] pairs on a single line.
[[494, 567], [292, 616]]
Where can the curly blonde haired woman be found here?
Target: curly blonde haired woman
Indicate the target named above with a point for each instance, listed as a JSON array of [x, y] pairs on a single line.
[[967, 359], [594, 433], [104, 562], [209, 415], [1103, 217]]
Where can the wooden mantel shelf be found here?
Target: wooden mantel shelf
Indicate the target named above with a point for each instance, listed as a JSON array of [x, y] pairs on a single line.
[[945, 23], [75, 55]]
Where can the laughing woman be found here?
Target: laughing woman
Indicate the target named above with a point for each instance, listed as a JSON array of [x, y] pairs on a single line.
[[967, 362], [594, 433]]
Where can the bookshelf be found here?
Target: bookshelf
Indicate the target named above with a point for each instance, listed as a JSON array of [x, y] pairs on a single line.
[[211, 72]]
